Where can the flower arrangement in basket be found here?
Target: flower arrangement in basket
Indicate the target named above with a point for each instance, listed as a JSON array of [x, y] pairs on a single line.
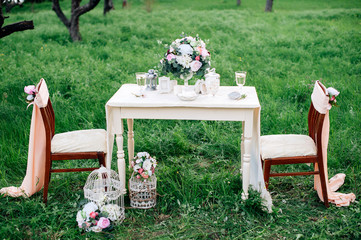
[[186, 56], [143, 182]]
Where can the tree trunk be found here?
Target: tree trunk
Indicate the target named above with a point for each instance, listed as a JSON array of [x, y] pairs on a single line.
[[76, 11], [108, 5], [15, 27], [269, 4], [74, 21], [124, 3], [238, 2]]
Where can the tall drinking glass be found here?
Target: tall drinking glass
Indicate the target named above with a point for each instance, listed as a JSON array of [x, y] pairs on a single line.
[[241, 79], [140, 76]]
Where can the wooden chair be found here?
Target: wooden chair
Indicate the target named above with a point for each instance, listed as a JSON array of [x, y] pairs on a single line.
[[69, 146], [294, 149]]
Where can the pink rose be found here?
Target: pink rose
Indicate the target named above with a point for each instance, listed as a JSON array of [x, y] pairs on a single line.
[[204, 52], [140, 170], [93, 215], [103, 222], [198, 58], [196, 65], [138, 176], [333, 98], [144, 175], [31, 89], [170, 56]]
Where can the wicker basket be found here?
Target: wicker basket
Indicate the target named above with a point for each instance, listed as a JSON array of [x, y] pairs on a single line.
[[143, 194]]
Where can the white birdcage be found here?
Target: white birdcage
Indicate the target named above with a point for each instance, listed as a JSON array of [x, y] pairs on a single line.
[[143, 193], [103, 187]]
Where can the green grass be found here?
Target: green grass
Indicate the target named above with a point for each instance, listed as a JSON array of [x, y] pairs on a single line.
[[199, 182]]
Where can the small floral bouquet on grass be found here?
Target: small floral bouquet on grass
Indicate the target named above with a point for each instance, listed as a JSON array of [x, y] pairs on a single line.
[[186, 56], [332, 93], [93, 218], [143, 165]]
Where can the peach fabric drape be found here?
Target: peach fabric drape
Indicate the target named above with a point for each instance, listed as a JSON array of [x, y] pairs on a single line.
[[320, 100], [34, 178]]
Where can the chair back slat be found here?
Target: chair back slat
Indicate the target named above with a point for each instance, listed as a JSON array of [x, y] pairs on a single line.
[[315, 124], [48, 116]]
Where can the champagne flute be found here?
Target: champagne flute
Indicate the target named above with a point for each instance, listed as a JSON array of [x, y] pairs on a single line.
[[241, 79], [140, 76]]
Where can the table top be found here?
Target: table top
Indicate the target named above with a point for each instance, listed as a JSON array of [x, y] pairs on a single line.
[[125, 97]]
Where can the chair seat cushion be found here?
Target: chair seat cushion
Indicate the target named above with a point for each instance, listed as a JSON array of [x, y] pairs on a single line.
[[93, 140], [287, 145]]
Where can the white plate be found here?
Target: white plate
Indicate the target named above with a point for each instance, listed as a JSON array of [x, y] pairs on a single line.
[[187, 97]]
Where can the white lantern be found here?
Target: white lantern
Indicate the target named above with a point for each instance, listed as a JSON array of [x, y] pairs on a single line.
[[103, 187]]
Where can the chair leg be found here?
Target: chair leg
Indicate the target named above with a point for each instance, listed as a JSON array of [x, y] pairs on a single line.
[[266, 171], [47, 176], [323, 183], [101, 158]]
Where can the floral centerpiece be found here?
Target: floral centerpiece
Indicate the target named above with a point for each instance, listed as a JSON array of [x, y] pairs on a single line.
[[93, 218], [185, 57], [143, 183], [143, 165]]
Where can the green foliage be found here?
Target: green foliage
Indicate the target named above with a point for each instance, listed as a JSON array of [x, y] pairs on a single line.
[[199, 182]]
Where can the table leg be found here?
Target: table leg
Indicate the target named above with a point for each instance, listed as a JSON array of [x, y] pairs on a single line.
[[242, 148], [246, 167], [110, 144], [130, 141], [110, 137], [120, 156]]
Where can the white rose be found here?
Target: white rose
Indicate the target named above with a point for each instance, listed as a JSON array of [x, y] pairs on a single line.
[[79, 218], [196, 65], [333, 92], [147, 165], [184, 60], [136, 168], [185, 49]]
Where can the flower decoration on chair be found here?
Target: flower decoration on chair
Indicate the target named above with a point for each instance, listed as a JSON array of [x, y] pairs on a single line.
[[186, 56], [143, 165], [31, 91], [91, 218], [332, 93]]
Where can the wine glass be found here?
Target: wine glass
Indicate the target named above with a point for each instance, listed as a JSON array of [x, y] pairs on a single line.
[[140, 76], [241, 79]]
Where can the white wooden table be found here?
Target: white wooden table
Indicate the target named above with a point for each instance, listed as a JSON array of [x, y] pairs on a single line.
[[125, 105]]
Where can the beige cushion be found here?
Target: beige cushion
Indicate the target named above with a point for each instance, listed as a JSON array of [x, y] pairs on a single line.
[[287, 145], [93, 140]]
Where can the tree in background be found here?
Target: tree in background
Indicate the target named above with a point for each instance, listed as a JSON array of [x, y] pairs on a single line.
[[72, 24], [15, 27], [108, 5], [269, 4], [238, 2]]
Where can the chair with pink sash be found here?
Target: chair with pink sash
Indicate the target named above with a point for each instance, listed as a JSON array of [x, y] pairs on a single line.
[[295, 149], [45, 147]]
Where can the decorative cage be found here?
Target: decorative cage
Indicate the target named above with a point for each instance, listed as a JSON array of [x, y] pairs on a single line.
[[143, 193], [104, 188]]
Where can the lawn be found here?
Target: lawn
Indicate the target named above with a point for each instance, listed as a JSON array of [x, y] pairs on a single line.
[[199, 184]]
